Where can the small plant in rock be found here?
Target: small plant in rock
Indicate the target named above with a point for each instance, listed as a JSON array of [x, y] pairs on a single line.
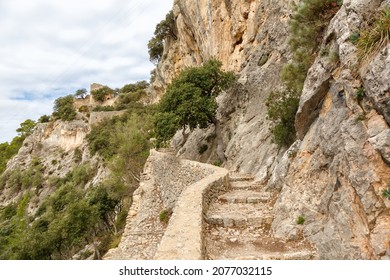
[[360, 93], [218, 163], [165, 215], [300, 220], [354, 37], [386, 193], [375, 37]]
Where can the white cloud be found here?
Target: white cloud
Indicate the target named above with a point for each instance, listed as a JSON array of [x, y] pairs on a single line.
[[51, 48]]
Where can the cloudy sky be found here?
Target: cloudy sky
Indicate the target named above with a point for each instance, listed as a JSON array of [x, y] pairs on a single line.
[[50, 48]]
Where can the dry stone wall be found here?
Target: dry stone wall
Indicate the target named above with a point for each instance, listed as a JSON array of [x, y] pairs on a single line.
[[168, 183]]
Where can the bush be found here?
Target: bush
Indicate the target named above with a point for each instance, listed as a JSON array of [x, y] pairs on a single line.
[[44, 119], [102, 93], [78, 155], [64, 109], [190, 100], [307, 25], [375, 37], [84, 109], [282, 107], [300, 220], [165, 215]]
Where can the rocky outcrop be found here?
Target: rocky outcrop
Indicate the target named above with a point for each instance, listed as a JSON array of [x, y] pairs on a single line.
[[335, 173], [340, 168]]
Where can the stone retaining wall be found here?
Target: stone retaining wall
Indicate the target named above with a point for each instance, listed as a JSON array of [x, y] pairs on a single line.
[[168, 182], [183, 239]]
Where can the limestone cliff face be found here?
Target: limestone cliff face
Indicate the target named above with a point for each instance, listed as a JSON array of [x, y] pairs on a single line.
[[59, 146], [335, 173]]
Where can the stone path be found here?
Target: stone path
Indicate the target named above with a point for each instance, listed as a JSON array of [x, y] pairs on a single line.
[[239, 223]]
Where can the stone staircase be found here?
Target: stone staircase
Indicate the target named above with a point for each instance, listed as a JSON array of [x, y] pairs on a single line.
[[239, 226]]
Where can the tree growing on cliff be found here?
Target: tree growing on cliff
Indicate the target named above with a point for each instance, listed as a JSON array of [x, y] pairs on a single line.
[[164, 29], [64, 109], [101, 93], [190, 101]]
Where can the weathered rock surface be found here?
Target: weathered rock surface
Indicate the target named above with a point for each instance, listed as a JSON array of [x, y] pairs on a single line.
[[335, 174], [341, 166]]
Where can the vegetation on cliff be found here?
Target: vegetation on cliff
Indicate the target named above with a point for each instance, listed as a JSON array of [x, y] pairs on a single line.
[[307, 25], [165, 29], [190, 100]]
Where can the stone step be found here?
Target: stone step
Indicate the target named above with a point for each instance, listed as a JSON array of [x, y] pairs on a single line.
[[245, 185], [245, 196], [253, 244], [298, 255], [238, 177], [241, 215]]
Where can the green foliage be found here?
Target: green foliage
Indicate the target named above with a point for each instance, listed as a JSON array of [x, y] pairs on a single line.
[[77, 156], [104, 109], [26, 128], [218, 163], [80, 93], [354, 37], [7, 151], [190, 99], [386, 193], [165, 215], [163, 30], [360, 94], [44, 119], [141, 85], [84, 109], [282, 107], [307, 25], [300, 220], [64, 109], [375, 37], [101, 93]]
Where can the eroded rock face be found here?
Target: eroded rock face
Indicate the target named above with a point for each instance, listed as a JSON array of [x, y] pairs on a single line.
[[341, 166], [335, 174]]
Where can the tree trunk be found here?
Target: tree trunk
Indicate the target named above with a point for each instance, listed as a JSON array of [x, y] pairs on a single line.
[[220, 145]]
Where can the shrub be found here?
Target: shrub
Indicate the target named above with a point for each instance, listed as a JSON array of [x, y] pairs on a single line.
[[101, 93], [165, 215], [84, 109], [300, 220], [354, 37], [307, 25], [360, 93], [78, 155], [104, 108], [375, 37], [282, 107], [64, 109], [44, 119]]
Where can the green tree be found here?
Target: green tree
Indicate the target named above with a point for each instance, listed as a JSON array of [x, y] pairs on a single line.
[[164, 29], [80, 93], [101, 93], [26, 128], [64, 109], [190, 101], [44, 119]]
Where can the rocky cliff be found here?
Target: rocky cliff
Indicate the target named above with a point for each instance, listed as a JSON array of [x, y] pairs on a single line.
[[336, 171]]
